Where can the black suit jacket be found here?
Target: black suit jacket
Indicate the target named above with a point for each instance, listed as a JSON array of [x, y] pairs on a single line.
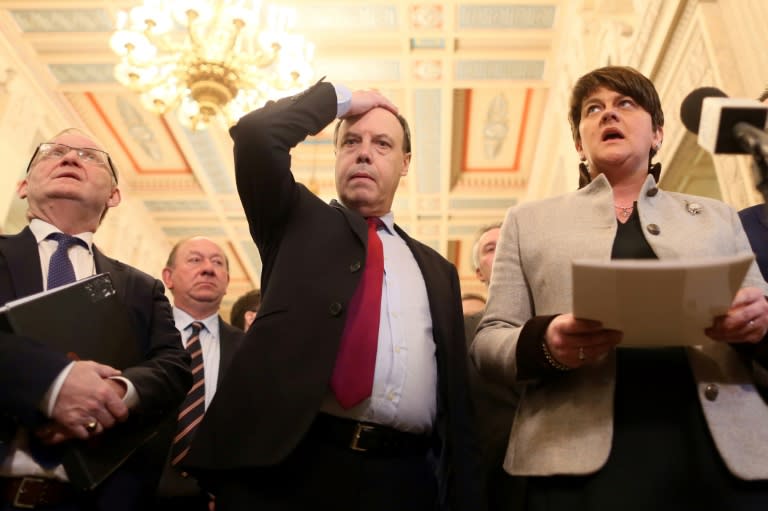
[[27, 368], [172, 484], [311, 254]]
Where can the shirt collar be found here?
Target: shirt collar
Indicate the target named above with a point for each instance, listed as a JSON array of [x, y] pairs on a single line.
[[389, 222], [41, 229], [182, 320]]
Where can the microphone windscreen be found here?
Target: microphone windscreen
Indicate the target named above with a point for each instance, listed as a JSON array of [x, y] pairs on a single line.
[[690, 108], [764, 95]]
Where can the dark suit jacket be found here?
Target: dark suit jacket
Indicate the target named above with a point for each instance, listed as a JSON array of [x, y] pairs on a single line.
[[755, 222], [171, 482], [495, 406], [27, 369], [311, 254]]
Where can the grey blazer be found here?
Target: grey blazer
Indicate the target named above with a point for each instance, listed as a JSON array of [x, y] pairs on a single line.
[[564, 425]]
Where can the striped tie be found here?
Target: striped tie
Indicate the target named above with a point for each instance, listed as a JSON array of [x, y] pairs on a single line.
[[193, 407]]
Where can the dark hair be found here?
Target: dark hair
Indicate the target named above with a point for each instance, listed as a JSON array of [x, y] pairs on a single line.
[[622, 79], [250, 301], [400, 118]]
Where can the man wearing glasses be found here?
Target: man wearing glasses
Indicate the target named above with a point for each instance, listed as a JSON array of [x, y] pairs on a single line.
[[45, 398]]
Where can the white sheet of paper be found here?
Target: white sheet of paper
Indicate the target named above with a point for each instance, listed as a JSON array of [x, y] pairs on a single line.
[[657, 303]]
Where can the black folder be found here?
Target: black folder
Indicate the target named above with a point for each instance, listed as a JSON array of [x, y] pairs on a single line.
[[87, 321]]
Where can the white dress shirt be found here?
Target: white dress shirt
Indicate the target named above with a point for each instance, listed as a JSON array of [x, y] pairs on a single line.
[[404, 393]]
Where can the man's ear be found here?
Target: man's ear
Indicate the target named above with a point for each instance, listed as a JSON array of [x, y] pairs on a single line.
[[114, 198], [21, 189], [406, 164], [167, 278], [249, 317], [480, 276]]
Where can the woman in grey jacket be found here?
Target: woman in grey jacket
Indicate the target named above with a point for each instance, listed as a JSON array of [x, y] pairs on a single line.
[[602, 426]]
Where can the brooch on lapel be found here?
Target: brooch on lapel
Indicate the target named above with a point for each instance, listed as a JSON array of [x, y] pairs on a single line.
[[693, 208]]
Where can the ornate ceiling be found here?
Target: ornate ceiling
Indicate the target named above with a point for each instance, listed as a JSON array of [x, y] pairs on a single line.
[[472, 77]]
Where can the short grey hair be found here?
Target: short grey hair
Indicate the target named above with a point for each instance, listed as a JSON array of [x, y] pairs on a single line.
[[476, 246]]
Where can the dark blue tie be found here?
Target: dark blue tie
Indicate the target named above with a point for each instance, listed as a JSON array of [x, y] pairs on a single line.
[[47, 456], [60, 269], [60, 272]]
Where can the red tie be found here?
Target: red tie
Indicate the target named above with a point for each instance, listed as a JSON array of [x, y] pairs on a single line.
[[352, 379]]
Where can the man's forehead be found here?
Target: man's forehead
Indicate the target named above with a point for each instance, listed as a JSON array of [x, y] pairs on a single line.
[[202, 246], [75, 140], [490, 235], [380, 120]]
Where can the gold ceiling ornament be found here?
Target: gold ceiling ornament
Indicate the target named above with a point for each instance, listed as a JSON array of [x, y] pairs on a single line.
[[210, 57]]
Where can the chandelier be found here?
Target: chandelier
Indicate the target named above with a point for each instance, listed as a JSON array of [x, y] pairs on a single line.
[[210, 58]]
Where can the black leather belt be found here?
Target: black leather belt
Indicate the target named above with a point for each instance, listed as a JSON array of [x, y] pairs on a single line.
[[368, 438], [36, 492]]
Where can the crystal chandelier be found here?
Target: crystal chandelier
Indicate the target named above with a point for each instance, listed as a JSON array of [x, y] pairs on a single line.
[[210, 57]]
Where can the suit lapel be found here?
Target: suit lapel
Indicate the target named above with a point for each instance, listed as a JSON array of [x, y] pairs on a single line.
[[23, 258], [116, 271], [436, 292], [418, 254], [355, 220]]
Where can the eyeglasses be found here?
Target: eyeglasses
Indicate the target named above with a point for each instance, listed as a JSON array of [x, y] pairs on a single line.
[[89, 155]]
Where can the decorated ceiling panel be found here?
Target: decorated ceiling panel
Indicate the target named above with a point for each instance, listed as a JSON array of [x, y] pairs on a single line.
[[470, 77]]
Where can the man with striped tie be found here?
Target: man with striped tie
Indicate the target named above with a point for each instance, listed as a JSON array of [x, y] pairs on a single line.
[[197, 274], [46, 398]]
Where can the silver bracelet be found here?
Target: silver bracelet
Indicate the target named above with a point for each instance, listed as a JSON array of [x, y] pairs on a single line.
[[551, 360]]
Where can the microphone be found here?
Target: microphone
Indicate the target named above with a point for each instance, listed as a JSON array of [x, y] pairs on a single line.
[[764, 95], [725, 125]]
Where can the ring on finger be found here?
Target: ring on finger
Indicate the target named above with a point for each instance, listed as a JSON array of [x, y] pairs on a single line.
[[582, 356], [91, 426]]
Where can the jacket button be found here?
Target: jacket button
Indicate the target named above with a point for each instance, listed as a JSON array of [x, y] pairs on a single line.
[[354, 266], [711, 391], [652, 192], [653, 229], [335, 309]]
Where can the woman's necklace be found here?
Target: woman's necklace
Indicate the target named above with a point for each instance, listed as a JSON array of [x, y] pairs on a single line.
[[624, 212]]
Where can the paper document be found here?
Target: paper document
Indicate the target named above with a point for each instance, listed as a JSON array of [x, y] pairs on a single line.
[[657, 303]]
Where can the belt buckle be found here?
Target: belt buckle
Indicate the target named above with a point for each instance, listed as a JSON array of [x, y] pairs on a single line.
[[359, 428], [22, 490]]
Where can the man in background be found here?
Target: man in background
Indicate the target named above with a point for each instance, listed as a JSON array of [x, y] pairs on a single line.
[[495, 404], [472, 303], [245, 308], [46, 399], [754, 219], [197, 274]]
